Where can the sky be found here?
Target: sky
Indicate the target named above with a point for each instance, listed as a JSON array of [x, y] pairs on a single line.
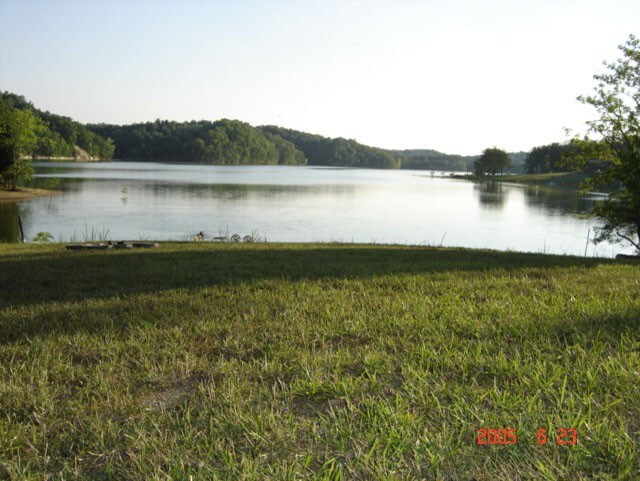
[[456, 76]]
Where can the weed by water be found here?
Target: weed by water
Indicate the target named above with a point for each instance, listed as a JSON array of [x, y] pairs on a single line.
[[96, 235]]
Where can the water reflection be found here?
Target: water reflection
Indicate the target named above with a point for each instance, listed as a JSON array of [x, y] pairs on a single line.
[[233, 191], [556, 200], [491, 195], [552, 201], [299, 204]]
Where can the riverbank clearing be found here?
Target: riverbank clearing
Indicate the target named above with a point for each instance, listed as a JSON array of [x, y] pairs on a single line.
[[316, 361], [24, 193]]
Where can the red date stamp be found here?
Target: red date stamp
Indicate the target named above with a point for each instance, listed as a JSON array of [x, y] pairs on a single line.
[[497, 436], [505, 436]]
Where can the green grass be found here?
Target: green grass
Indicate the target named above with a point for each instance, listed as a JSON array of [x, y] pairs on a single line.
[[268, 361], [567, 179]]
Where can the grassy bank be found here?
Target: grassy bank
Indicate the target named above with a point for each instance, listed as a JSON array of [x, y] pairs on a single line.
[[256, 361], [564, 179], [24, 193]]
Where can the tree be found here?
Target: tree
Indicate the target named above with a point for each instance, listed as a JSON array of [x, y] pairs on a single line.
[[613, 158], [60, 135], [546, 158], [18, 137], [492, 161]]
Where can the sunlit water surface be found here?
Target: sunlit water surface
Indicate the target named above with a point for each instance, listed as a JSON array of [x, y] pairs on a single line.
[[132, 200]]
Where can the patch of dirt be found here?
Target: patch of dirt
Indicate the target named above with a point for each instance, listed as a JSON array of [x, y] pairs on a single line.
[[348, 339], [313, 407], [175, 392]]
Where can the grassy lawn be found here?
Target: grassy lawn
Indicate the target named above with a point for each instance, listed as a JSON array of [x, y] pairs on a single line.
[[268, 361]]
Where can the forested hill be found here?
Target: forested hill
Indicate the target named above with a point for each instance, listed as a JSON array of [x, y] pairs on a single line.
[[349, 153], [60, 135], [338, 152], [222, 142]]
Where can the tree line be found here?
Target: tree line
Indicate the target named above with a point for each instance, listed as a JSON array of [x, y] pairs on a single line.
[[543, 159], [230, 142], [227, 142], [340, 152], [427, 159], [233, 142]]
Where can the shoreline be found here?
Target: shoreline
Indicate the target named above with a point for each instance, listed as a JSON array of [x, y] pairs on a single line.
[[25, 193], [556, 179]]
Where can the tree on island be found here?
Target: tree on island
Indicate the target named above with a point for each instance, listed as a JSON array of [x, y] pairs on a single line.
[[612, 158], [18, 137], [492, 161]]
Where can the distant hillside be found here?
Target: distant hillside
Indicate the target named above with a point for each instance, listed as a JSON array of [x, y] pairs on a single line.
[[338, 152], [225, 141], [62, 137]]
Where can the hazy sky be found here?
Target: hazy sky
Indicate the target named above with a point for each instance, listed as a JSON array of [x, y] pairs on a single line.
[[456, 76]]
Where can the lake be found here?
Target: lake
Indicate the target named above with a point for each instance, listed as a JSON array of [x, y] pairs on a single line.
[[159, 201]]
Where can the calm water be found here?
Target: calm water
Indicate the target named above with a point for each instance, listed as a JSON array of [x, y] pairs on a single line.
[[129, 200]]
